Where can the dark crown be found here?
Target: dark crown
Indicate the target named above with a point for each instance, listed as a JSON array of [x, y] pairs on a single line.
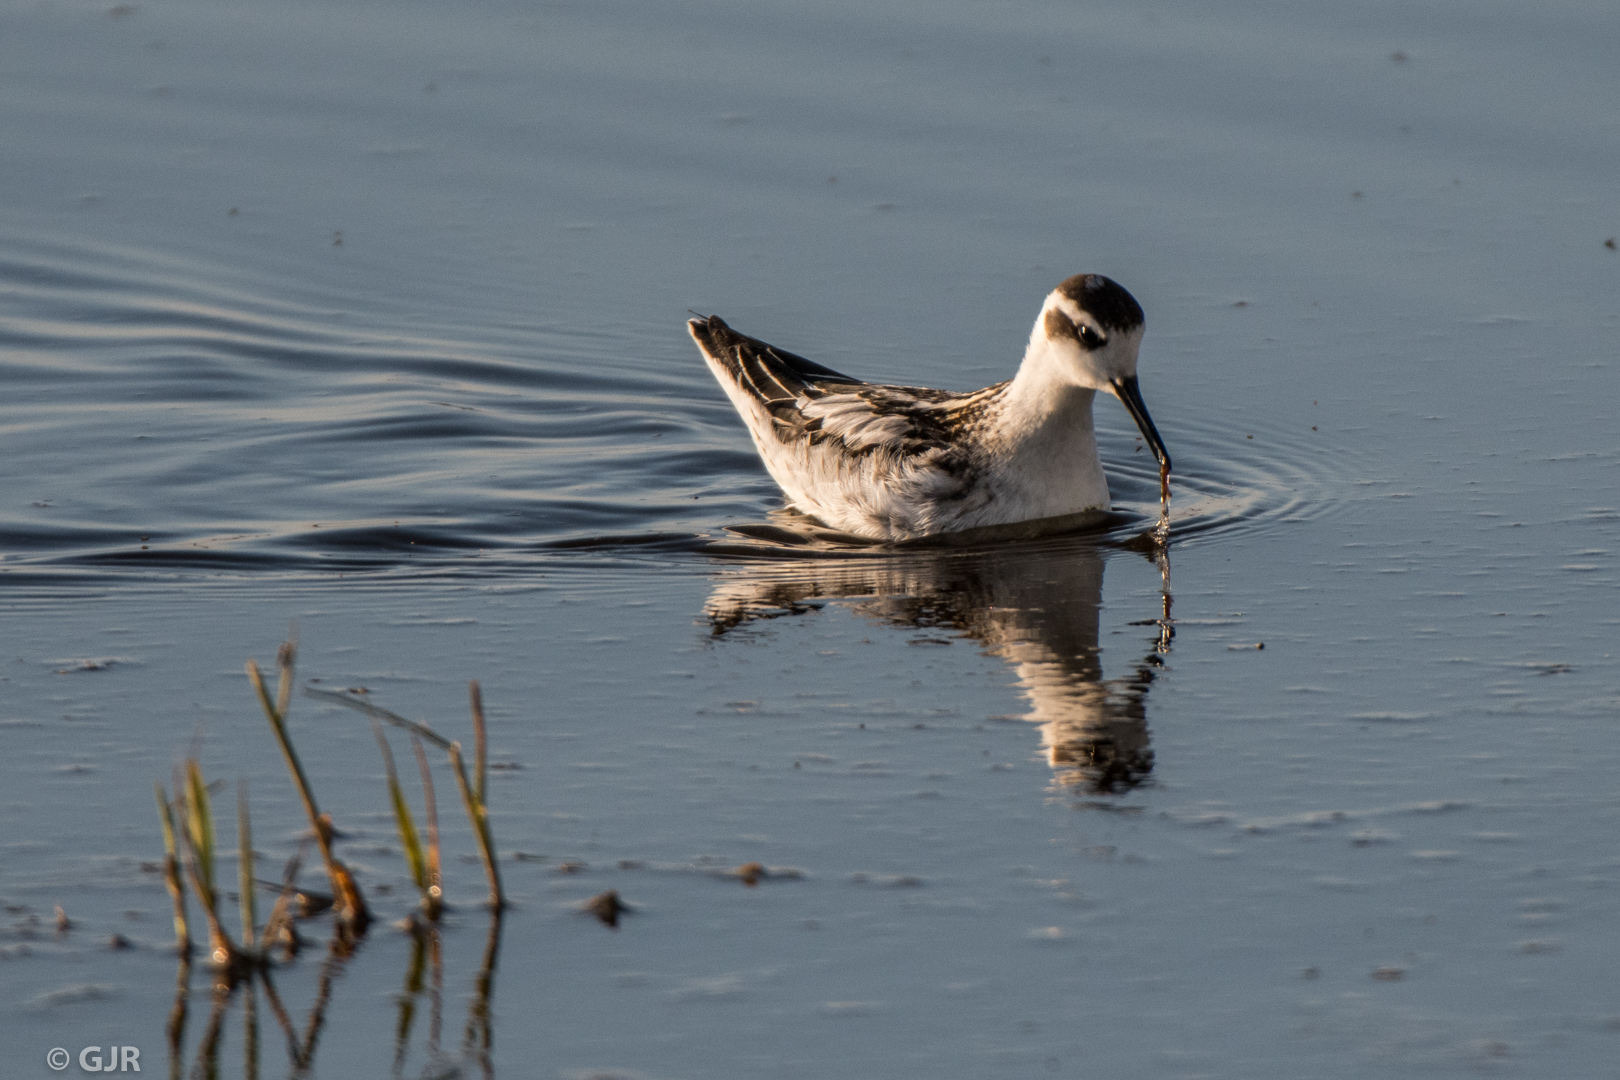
[[1105, 300]]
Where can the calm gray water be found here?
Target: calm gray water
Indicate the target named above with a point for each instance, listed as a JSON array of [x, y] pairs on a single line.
[[371, 317]]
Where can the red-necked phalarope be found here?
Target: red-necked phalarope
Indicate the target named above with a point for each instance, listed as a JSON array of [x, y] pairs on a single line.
[[898, 463]]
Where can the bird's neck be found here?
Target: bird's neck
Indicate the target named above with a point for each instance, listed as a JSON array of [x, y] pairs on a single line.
[[1042, 401]]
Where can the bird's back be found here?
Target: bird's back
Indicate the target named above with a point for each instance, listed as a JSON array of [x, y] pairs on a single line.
[[891, 462]]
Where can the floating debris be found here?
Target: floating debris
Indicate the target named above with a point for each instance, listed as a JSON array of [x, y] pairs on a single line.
[[607, 907]]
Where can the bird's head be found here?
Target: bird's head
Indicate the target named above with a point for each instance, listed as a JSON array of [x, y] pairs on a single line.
[[1092, 328]]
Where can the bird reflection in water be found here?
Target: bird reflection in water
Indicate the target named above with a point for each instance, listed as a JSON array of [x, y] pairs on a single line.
[[1036, 606]]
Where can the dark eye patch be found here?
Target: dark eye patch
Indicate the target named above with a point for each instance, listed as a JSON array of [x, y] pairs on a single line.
[[1059, 325]]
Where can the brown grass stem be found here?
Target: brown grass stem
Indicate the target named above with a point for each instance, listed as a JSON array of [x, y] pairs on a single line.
[[349, 904], [478, 814], [171, 872]]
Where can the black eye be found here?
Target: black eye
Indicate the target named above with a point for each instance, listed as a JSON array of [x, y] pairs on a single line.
[[1089, 338]]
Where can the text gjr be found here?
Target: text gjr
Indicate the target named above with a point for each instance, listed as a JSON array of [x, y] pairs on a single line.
[[118, 1059]]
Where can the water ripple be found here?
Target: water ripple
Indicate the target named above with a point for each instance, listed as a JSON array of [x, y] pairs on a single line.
[[165, 415]]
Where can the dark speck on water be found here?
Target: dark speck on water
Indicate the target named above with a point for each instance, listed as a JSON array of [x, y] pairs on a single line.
[[607, 907]]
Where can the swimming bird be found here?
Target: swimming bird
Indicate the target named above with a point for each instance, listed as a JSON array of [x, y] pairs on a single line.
[[897, 463]]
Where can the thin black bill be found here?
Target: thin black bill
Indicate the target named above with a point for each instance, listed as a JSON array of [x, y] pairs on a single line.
[[1130, 394]]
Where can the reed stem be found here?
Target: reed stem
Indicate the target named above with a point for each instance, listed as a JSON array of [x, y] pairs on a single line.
[[478, 814], [197, 829], [408, 836], [171, 872], [349, 904], [244, 876], [431, 810]]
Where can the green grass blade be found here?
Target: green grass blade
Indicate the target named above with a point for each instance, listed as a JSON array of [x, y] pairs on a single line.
[[166, 817], [430, 810], [200, 818], [197, 830], [244, 877], [478, 815], [408, 837], [402, 815]]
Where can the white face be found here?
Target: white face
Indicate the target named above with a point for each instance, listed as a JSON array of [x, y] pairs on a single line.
[[1094, 355]]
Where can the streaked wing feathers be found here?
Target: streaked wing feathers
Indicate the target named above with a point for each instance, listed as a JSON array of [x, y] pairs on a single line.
[[807, 401]]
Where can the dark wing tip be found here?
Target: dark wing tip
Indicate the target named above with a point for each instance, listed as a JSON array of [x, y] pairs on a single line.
[[718, 340], [711, 332]]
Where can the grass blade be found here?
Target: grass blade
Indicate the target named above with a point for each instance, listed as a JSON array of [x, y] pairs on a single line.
[[350, 905], [421, 730], [244, 876], [171, 872], [200, 822], [402, 816], [278, 725], [431, 810], [197, 830], [478, 814]]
